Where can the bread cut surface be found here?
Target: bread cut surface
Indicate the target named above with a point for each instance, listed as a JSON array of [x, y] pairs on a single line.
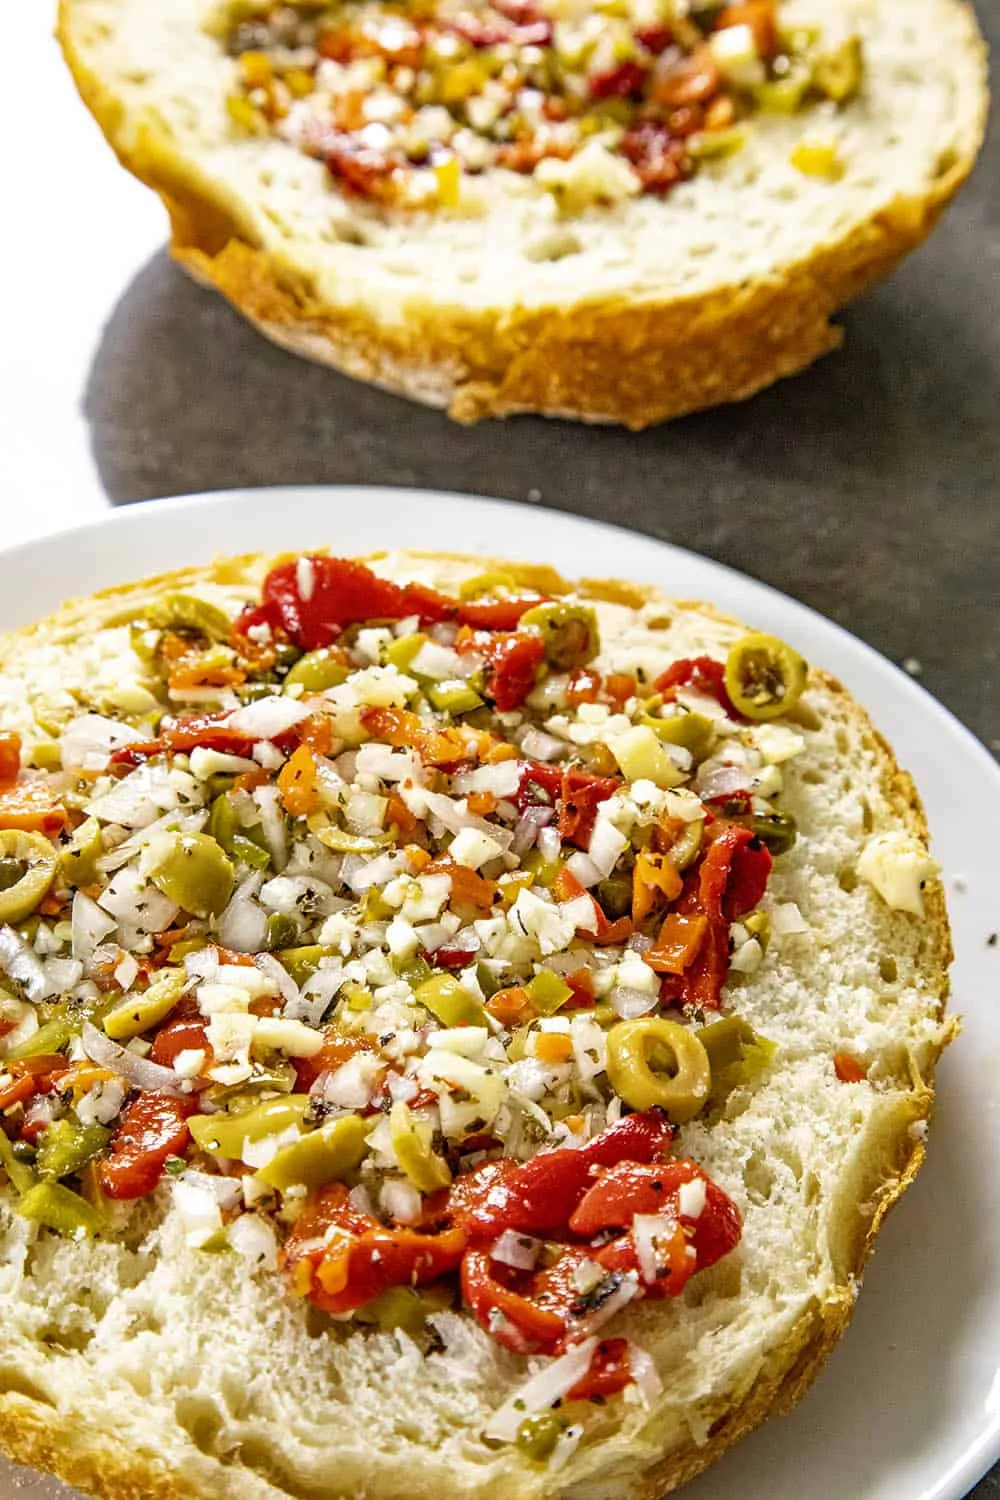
[[138, 1366], [633, 312]]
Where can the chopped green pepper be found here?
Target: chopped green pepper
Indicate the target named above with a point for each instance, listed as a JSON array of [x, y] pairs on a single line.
[[78, 860], [303, 962], [66, 1146], [142, 1012], [64, 1023], [21, 1176], [281, 932], [453, 697], [224, 1135], [412, 1142], [328, 1154], [548, 992], [737, 1054], [692, 731], [400, 652], [250, 853], [838, 73], [569, 633], [777, 830], [317, 671], [445, 998], [55, 1207]]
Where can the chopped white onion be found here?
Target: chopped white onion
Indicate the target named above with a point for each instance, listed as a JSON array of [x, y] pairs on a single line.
[[360, 1199], [401, 1201], [138, 906], [583, 867], [629, 1003], [502, 780], [518, 1250], [640, 942], [87, 743], [272, 822], [541, 746], [317, 993], [542, 1391], [143, 1075], [24, 1030], [363, 874], [291, 895], [268, 717], [20, 962], [644, 1373], [549, 843], [724, 781], [387, 764], [227, 1191], [253, 1238], [89, 926], [63, 973], [606, 845], [529, 825], [242, 926], [138, 799], [280, 977], [646, 1230]]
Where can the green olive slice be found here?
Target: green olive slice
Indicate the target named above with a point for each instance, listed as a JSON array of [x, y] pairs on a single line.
[[569, 633], [191, 870], [27, 869], [764, 677], [680, 1081]]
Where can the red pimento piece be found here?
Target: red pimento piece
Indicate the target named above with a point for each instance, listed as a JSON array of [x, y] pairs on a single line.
[[659, 159], [208, 731], [495, 614], [513, 661], [655, 37], [703, 675], [621, 82], [610, 1372], [848, 1069], [540, 786], [581, 795], [153, 1127], [10, 757], [186, 1033], [525, 1325]]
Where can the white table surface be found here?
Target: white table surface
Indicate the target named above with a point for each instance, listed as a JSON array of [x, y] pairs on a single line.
[[61, 274]]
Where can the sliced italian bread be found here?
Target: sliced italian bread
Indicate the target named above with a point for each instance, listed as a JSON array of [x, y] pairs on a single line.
[[371, 188], [159, 1350]]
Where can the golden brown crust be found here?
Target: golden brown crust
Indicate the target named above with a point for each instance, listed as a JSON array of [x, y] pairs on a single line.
[[34, 1432], [599, 360]]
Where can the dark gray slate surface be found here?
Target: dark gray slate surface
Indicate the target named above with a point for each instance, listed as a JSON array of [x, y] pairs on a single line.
[[867, 487]]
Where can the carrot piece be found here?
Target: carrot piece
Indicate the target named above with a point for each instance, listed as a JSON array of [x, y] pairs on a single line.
[[847, 1068], [678, 943], [31, 805], [553, 1046], [10, 756], [482, 804], [509, 1006], [399, 814], [317, 733], [248, 781], [298, 783], [501, 751], [653, 873]]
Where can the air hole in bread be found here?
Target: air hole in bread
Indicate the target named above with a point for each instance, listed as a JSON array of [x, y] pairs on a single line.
[[15, 1383], [271, 1465], [201, 1420], [758, 1177]]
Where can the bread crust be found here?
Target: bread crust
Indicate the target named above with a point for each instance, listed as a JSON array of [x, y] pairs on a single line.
[[34, 1432], [600, 359]]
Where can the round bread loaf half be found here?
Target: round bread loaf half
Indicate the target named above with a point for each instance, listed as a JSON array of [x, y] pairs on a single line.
[[620, 213], [460, 1031]]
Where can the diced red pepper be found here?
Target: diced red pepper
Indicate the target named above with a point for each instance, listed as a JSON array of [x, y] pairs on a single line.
[[513, 661], [495, 614], [703, 675], [540, 786], [610, 1372], [619, 82], [10, 757], [153, 1127], [581, 795], [351, 1258], [183, 1034]]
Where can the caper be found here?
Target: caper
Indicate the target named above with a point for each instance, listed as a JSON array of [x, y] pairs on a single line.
[[191, 870], [569, 633], [764, 677], [317, 671], [537, 1437], [615, 895]]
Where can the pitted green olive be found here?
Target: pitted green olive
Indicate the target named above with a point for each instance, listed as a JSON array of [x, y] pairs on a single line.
[[764, 677], [569, 633], [186, 612], [681, 1080], [27, 869], [190, 869], [317, 671]]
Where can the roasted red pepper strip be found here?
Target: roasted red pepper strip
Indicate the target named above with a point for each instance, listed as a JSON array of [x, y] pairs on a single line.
[[182, 1034], [10, 757], [727, 882], [538, 1196], [209, 731], [513, 1318], [341, 593], [703, 675], [351, 1258], [153, 1127], [541, 786], [496, 614]]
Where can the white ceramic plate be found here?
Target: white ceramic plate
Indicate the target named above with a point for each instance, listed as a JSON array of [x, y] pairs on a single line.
[[909, 1406]]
